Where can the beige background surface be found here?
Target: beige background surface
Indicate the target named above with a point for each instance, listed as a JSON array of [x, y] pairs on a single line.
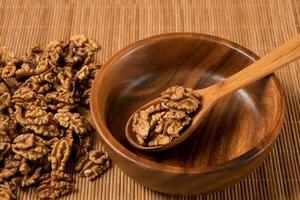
[[259, 25]]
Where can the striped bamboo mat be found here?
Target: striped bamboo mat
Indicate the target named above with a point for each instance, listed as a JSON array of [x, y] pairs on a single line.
[[259, 25]]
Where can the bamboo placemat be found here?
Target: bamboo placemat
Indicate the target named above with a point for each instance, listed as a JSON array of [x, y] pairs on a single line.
[[259, 25]]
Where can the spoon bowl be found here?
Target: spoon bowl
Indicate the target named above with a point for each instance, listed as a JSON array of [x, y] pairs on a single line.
[[132, 139]]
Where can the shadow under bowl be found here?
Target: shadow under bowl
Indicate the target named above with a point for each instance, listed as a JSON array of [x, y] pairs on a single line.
[[230, 142]]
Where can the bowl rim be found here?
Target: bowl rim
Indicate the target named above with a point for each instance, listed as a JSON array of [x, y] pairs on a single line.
[[118, 148]]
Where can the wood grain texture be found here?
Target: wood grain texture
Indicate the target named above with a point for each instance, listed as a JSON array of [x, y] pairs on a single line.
[[257, 25]]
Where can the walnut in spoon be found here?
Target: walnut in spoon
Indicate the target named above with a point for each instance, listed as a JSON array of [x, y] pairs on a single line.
[[163, 122]]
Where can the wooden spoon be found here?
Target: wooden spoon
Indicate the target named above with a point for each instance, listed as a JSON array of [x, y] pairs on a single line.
[[212, 94]]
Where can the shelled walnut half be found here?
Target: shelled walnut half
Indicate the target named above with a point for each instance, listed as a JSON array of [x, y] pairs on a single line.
[[93, 165]]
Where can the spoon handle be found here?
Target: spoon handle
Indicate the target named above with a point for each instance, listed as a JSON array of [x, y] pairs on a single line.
[[264, 66]]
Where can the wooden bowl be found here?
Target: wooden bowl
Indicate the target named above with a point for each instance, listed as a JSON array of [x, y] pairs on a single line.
[[232, 140]]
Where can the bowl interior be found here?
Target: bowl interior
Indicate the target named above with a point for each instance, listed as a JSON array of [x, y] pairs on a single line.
[[233, 127]]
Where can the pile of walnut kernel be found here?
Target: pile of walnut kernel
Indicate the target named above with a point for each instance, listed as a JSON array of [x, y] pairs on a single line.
[[43, 133], [161, 123]]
